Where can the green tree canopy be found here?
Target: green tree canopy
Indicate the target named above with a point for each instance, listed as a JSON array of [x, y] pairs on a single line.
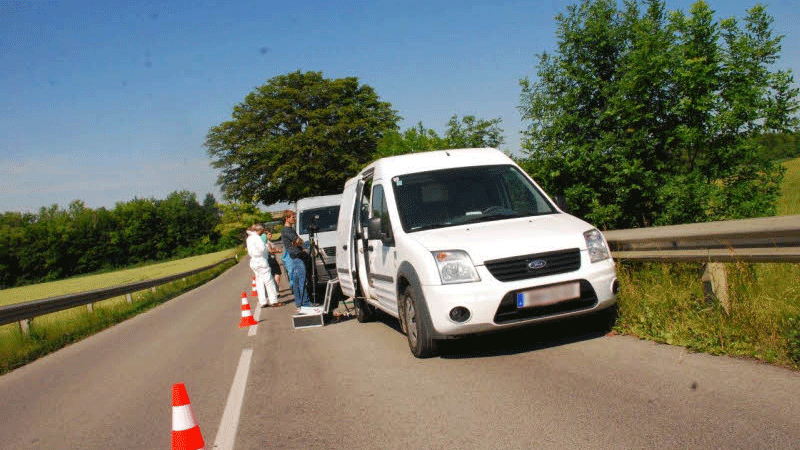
[[643, 117], [236, 217], [57, 243], [469, 132], [299, 135]]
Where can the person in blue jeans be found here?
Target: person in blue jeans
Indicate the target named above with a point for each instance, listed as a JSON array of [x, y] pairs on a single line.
[[297, 272], [287, 263]]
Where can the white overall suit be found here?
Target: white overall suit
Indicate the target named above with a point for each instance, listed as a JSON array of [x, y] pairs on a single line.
[[258, 263]]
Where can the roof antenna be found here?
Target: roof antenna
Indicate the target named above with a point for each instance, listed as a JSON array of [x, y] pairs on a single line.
[[447, 153]]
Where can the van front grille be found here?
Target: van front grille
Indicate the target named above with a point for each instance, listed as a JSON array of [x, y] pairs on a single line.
[[536, 265]]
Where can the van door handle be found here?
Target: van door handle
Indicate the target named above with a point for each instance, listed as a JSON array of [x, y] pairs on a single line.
[[344, 247], [369, 248]]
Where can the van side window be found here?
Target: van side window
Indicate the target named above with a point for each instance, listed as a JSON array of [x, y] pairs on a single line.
[[363, 215], [379, 208]]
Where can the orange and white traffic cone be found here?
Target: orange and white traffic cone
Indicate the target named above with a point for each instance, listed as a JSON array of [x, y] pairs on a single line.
[[185, 431], [247, 315], [253, 290]]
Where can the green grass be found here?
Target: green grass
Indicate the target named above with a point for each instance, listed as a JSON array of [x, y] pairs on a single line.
[[790, 189], [104, 280], [54, 331], [665, 302]]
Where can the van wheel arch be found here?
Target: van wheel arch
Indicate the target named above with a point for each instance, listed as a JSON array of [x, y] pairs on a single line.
[[423, 343]]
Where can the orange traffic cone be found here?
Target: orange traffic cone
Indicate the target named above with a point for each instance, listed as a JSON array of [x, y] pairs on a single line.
[[253, 290], [185, 431], [247, 316]]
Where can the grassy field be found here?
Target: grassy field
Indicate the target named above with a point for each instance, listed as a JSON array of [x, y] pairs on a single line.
[[665, 302], [104, 280]]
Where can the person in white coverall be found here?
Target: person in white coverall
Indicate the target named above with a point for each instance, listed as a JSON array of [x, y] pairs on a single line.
[[258, 263]]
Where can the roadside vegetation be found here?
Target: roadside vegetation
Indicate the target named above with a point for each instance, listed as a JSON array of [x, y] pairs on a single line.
[[59, 243], [54, 331], [665, 302]]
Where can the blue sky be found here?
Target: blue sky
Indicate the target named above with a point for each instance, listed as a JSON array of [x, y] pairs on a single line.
[[107, 101]]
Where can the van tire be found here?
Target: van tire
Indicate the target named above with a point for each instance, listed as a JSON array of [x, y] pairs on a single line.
[[364, 311], [418, 326]]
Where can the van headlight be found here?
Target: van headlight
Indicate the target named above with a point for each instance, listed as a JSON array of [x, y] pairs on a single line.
[[455, 266], [596, 245]]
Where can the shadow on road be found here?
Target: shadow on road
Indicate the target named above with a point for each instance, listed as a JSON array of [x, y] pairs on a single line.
[[521, 340]]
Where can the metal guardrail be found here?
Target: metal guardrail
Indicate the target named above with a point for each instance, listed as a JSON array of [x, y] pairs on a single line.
[[766, 239], [20, 312]]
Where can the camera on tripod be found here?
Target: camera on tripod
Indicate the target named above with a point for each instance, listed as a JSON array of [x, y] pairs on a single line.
[[313, 227]]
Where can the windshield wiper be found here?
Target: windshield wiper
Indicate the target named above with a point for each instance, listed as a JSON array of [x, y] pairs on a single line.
[[430, 226], [490, 217]]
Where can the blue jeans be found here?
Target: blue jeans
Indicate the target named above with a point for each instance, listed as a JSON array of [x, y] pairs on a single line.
[[288, 262], [298, 280]]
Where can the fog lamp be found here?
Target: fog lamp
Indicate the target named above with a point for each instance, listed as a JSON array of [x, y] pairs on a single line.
[[459, 314]]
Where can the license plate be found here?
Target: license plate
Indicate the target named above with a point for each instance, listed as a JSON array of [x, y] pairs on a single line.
[[548, 295]]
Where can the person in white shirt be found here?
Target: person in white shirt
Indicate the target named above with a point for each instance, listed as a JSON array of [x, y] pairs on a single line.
[[265, 285]]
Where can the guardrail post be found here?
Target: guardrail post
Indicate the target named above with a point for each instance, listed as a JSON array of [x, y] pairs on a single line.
[[128, 298], [715, 284], [90, 307], [25, 327], [153, 289]]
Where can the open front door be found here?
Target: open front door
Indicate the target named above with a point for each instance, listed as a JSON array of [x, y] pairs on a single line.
[[346, 229]]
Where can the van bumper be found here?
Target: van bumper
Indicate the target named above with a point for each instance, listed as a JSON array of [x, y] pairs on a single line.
[[492, 303]]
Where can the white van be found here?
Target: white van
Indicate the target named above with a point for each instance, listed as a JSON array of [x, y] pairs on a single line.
[[457, 242], [322, 213]]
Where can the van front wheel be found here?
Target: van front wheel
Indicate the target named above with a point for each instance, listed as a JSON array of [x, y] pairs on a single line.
[[420, 342]]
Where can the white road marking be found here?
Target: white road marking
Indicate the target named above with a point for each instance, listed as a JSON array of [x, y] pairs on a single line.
[[226, 435]]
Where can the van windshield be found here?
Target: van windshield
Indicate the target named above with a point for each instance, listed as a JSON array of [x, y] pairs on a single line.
[[325, 217], [443, 198]]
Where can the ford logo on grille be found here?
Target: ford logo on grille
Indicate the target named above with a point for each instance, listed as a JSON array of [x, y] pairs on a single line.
[[537, 264]]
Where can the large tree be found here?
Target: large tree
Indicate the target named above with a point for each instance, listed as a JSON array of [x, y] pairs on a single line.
[[298, 135], [644, 117]]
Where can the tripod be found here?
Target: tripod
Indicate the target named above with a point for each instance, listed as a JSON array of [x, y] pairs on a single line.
[[313, 248]]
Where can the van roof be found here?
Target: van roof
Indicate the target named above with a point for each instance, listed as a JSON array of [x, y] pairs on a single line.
[[435, 160], [316, 202]]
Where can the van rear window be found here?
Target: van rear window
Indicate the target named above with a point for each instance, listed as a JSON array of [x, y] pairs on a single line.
[[326, 219]]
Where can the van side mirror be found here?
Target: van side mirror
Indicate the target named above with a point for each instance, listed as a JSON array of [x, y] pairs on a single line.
[[374, 229]]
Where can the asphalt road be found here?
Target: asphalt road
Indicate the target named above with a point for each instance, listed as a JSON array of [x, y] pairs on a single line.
[[349, 385]]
